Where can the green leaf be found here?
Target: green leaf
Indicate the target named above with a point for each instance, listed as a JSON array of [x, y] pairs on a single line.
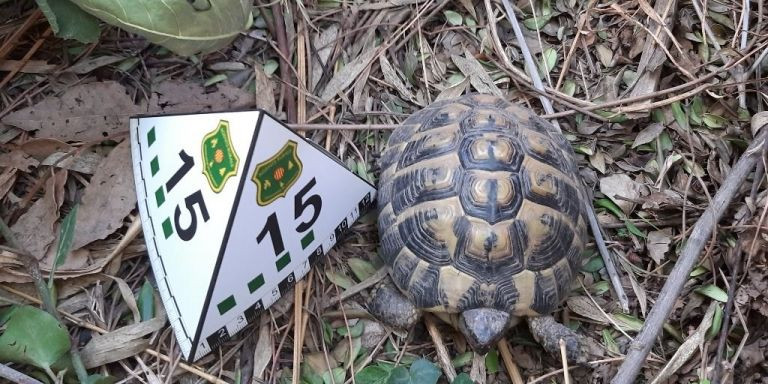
[[100, 379], [270, 67], [339, 279], [463, 378], [354, 331], [713, 292], [600, 287], [609, 341], [698, 271], [362, 269], [610, 206], [32, 336], [569, 87], [68, 21], [339, 374], [680, 116], [146, 301], [422, 371], [717, 322], [372, 375], [548, 60], [66, 232], [492, 361], [181, 26], [453, 18], [462, 360], [714, 121], [594, 264], [215, 79]]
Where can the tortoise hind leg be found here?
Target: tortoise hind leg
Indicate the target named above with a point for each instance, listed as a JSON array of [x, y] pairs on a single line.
[[548, 332], [390, 306]]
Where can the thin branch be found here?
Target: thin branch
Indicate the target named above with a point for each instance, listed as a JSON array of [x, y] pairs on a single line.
[[609, 262], [15, 376], [641, 346]]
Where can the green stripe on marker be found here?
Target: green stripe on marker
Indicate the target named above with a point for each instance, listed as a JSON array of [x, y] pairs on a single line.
[[151, 137], [256, 283], [226, 305], [307, 240], [167, 228], [160, 196], [154, 166], [283, 261]]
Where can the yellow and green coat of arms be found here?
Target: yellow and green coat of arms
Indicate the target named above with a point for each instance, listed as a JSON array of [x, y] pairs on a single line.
[[276, 175], [219, 158]]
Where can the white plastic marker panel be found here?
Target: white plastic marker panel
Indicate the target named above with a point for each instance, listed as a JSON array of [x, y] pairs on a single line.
[[243, 210]]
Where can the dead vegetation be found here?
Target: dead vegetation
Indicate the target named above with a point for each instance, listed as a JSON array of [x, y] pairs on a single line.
[[655, 97]]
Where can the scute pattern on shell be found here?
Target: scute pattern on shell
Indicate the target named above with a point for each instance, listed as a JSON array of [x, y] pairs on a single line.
[[480, 206]]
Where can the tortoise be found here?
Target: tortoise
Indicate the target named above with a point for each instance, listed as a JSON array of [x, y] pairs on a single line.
[[481, 221]]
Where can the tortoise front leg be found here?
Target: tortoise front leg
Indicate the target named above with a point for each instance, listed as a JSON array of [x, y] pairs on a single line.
[[548, 332], [391, 307]]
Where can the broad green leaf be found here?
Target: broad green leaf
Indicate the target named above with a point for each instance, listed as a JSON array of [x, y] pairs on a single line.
[[339, 279], [717, 322], [215, 79], [68, 21], [336, 375], [362, 269], [569, 87], [31, 336], [354, 331], [698, 271], [66, 232], [100, 379], [270, 66], [609, 341], [713, 292], [146, 301], [610, 206], [492, 361], [422, 372], [372, 375], [714, 121], [541, 18], [462, 378], [183, 27], [680, 116], [453, 18], [549, 59], [627, 322], [697, 110], [462, 360], [594, 264], [600, 287]]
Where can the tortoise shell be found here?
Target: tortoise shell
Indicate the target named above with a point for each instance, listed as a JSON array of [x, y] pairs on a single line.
[[480, 206]]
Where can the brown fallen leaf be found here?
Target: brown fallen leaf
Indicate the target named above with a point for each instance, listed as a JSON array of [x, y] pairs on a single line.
[[36, 229], [18, 159], [84, 162], [108, 198], [85, 112], [619, 187], [174, 96], [478, 77], [658, 244], [121, 343], [7, 178], [265, 92], [43, 147]]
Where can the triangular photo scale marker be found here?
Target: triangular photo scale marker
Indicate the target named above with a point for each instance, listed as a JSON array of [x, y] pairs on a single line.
[[187, 172], [295, 202]]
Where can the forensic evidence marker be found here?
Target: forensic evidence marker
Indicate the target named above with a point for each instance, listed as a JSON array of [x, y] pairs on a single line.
[[235, 207]]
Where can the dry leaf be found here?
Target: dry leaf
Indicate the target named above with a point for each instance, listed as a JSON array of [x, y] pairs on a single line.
[[7, 178], [108, 198], [323, 42], [184, 97], [390, 75], [36, 229], [265, 93], [262, 354], [688, 348], [347, 75], [648, 134], [478, 77], [620, 185], [18, 159], [121, 343], [41, 148], [89, 64], [658, 244], [453, 91], [84, 112], [83, 162]]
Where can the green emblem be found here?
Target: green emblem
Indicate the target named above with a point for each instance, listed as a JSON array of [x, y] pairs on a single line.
[[219, 158], [275, 176]]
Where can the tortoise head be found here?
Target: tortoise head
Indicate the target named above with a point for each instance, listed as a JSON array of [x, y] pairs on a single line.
[[483, 327]]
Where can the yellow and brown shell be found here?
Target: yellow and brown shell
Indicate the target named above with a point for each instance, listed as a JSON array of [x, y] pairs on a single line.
[[480, 205]]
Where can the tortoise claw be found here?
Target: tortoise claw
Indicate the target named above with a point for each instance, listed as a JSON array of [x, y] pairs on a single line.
[[548, 332], [391, 307]]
